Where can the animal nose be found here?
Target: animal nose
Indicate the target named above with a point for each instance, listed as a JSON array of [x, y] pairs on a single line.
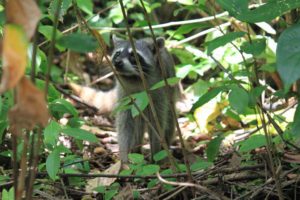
[[118, 63]]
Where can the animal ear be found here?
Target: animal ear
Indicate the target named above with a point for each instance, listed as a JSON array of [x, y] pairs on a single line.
[[160, 41], [116, 40]]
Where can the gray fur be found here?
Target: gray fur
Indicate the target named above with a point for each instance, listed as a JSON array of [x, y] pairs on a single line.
[[131, 130]]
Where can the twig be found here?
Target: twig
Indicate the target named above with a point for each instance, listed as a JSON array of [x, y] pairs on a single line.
[[75, 98], [201, 188], [101, 78], [52, 45], [188, 39], [165, 25]]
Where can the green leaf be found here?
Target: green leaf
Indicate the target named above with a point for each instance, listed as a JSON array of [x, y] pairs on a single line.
[[207, 97], [235, 8], [254, 94], [80, 134], [60, 106], [149, 169], [78, 42], [53, 164], [136, 158], [213, 148], [238, 99], [288, 51], [141, 100], [110, 194], [65, 5], [86, 6], [47, 30], [171, 81], [256, 47], [51, 133], [266, 12], [101, 189], [296, 123], [126, 172], [160, 155], [255, 141], [53, 94], [221, 41], [200, 164], [3, 126], [8, 195]]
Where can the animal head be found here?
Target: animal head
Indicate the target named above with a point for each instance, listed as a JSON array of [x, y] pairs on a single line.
[[124, 60]]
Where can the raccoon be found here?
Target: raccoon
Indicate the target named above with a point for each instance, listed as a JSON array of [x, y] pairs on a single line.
[[131, 129]]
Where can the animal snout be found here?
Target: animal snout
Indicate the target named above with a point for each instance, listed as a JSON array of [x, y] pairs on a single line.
[[118, 63]]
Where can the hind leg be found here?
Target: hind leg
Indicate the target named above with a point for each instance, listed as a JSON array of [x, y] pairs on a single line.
[[130, 134]]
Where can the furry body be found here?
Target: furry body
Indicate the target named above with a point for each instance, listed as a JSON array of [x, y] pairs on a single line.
[[131, 130]]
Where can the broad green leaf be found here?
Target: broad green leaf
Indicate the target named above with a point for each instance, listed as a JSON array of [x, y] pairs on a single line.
[[234, 7], [108, 195], [266, 12], [80, 134], [136, 158], [160, 155], [141, 100], [53, 94], [8, 195], [65, 5], [221, 41], [238, 99], [149, 169], [53, 163], [255, 141], [171, 81], [255, 48], [47, 30], [126, 172], [208, 96], [213, 148], [101, 189], [288, 51], [60, 106], [51, 133], [254, 94], [296, 123], [200, 164], [269, 10], [86, 6], [3, 126], [78, 42]]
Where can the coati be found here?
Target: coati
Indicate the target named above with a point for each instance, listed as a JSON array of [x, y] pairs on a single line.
[[131, 130]]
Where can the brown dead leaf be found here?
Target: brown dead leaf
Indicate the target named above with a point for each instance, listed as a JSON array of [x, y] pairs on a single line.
[[14, 56], [95, 182], [30, 109], [24, 13]]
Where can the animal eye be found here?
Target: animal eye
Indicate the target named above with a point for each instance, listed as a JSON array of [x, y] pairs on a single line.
[[117, 53]]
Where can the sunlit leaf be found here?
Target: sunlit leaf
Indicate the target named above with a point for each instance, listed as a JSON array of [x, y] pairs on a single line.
[[14, 56], [221, 41]]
